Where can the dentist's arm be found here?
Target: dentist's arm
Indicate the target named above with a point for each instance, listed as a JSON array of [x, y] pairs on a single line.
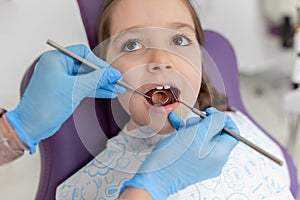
[[11, 147], [58, 85], [16, 149]]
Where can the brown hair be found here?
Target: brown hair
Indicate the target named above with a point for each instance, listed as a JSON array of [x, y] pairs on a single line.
[[208, 95]]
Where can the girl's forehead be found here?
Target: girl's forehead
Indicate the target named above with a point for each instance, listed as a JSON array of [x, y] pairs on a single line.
[[130, 14]]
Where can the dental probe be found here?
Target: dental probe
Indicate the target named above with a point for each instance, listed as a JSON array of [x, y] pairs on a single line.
[[234, 134], [92, 65]]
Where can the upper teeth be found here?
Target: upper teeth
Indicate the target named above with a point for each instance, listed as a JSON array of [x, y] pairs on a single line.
[[166, 87]]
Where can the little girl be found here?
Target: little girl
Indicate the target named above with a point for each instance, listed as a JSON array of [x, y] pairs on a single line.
[[156, 45]]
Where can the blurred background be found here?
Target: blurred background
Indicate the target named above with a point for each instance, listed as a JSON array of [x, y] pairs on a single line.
[[262, 32]]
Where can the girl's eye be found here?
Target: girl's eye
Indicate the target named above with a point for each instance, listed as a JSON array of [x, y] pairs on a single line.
[[132, 45], [181, 40]]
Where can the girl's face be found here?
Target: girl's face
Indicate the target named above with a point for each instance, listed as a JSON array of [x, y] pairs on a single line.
[[156, 43]]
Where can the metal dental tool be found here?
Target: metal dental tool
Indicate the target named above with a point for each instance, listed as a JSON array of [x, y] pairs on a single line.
[[92, 65], [160, 97], [232, 133]]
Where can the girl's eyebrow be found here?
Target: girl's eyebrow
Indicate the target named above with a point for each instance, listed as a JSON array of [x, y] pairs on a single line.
[[179, 25], [173, 25], [123, 34], [131, 28]]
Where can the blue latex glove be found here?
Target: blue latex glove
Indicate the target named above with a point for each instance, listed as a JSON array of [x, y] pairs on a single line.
[[176, 163], [59, 83]]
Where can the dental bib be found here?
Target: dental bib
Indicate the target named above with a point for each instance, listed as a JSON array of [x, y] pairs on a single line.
[[247, 174]]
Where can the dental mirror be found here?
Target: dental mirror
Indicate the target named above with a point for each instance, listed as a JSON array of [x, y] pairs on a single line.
[[159, 98]]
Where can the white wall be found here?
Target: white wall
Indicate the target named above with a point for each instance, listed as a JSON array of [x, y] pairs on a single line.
[[243, 23], [25, 27]]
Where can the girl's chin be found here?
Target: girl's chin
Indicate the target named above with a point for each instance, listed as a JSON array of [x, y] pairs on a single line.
[[163, 129]]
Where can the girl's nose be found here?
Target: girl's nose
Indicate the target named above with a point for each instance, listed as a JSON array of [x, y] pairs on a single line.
[[160, 60]]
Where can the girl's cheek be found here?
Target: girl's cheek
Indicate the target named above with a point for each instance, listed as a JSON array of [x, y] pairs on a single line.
[[193, 78], [129, 61], [124, 101]]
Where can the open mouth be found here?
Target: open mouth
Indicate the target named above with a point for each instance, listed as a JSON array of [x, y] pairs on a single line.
[[163, 95]]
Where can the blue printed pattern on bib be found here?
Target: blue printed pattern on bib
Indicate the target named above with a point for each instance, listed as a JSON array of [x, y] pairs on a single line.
[[246, 175]]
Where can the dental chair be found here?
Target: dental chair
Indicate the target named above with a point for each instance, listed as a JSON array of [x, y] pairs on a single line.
[[85, 133]]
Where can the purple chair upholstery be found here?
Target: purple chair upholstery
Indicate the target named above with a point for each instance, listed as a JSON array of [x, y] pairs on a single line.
[[85, 133]]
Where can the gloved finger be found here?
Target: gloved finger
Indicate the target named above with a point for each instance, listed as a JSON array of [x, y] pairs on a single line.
[[86, 53], [115, 88], [231, 125], [211, 110], [193, 121], [86, 85], [109, 92], [71, 66], [214, 123], [225, 141], [175, 120], [104, 94], [79, 68], [101, 77], [109, 75], [221, 120], [231, 142]]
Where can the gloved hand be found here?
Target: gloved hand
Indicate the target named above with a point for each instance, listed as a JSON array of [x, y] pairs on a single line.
[[56, 88], [176, 162]]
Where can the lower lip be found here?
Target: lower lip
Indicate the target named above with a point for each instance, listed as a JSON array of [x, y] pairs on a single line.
[[164, 109]]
